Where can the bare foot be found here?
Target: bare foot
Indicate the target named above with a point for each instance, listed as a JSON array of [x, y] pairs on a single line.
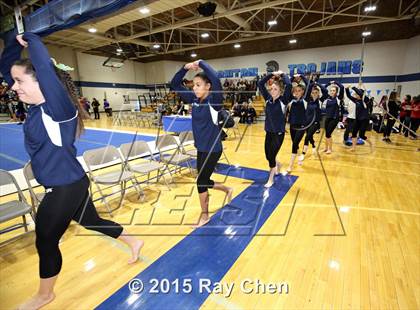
[[37, 302], [268, 184], [135, 250], [202, 222], [328, 152]]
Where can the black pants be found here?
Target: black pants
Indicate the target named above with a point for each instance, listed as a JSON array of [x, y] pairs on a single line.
[[96, 111], [330, 125], [60, 205], [349, 128], [388, 129], [272, 145], [310, 134], [359, 128], [206, 163], [297, 134], [414, 125], [406, 121]]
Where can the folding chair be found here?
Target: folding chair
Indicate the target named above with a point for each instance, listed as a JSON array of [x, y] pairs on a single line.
[[106, 156], [138, 150], [186, 139], [235, 127], [170, 153], [36, 198], [15, 208]]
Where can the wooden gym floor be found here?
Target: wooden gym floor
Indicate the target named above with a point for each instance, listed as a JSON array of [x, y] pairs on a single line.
[[346, 235]]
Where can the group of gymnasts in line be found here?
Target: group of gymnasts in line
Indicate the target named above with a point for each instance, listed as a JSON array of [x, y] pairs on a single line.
[[55, 121], [301, 99]]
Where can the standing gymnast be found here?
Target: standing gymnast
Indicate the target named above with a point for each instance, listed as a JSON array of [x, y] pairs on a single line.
[[275, 121], [362, 114], [333, 108], [206, 99], [313, 117], [297, 117], [50, 130]]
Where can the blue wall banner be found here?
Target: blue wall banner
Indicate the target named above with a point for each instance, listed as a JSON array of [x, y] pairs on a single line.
[[329, 68], [232, 73]]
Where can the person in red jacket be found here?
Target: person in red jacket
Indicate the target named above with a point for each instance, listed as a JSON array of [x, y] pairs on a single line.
[[405, 115], [415, 117]]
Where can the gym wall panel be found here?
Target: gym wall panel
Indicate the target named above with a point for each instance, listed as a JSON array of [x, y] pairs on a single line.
[[161, 71], [91, 70]]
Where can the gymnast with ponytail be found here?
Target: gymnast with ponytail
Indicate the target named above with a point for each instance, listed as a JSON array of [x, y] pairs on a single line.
[[276, 100], [333, 110], [54, 122], [206, 99]]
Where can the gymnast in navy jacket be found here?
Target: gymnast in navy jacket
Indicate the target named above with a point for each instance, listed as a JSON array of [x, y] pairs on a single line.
[[333, 109], [206, 99], [275, 121], [313, 116], [50, 131], [297, 116], [362, 114]]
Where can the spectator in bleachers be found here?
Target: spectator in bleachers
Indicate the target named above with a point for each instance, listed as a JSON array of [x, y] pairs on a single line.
[[236, 110], [244, 112], [251, 114]]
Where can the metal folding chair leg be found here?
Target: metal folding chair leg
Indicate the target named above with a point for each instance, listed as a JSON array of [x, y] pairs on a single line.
[[103, 198]]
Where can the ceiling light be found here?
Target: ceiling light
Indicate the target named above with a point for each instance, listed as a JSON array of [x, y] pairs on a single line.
[[272, 22], [119, 50], [237, 45], [370, 8], [292, 41], [205, 35], [193, 55], [144, 11], [118, 54], [156, 45], [92, 30], [366, 33]]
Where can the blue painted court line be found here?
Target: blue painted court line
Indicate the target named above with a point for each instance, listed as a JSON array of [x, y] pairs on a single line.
[[208, 252], [13, 153]]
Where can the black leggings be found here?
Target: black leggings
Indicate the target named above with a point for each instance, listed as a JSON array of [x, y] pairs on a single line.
[[60, 205], [310, 134], [272, 145], [206, 163], [297, 134], [388, 129], [359, 128], [414, 125], [349, 128], [330, 124]]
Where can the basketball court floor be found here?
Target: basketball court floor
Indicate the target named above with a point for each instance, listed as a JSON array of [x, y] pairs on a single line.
[[341, 232]]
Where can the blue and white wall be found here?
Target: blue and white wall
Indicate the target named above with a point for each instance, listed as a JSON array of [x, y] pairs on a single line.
[[383, 62]]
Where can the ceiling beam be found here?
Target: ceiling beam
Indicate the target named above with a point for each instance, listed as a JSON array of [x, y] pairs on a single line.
[[282, 34], [193, 21]]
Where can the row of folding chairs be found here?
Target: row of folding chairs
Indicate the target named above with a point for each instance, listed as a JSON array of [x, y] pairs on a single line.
[[129, 162], [135, 119]]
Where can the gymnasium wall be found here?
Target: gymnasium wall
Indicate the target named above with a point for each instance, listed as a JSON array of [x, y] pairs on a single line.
[[382, 59]]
